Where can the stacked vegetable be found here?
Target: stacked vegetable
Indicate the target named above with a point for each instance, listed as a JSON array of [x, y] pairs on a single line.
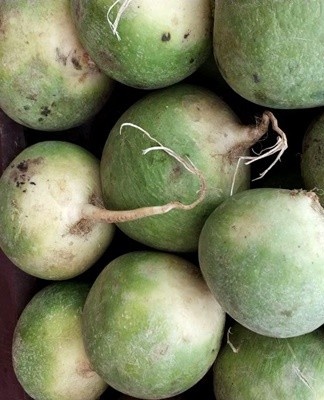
[[166, 228]]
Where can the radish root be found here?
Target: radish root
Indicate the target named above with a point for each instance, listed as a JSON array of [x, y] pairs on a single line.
[[114, 24], [279, 147]]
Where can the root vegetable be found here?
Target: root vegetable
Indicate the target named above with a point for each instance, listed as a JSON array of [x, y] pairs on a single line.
[[261, 255]]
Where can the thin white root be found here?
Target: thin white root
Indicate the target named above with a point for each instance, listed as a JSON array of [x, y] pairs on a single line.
[[279, 147], [235, 349], [185, 162], [114, 24]]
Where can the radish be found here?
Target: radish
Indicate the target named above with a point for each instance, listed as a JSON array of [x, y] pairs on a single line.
[[47, 79], [200, 128], [261, 254], [312, 165], [151, 327], [270, 52], [252, 366], [48, 354], [145, 44], [42, 192]]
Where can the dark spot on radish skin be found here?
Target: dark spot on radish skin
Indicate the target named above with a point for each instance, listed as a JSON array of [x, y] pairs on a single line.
[[60, 57], [256, 78], [76, 63], [185, 36], [286, 313], [166, 37], [45, 110], [191, 60]]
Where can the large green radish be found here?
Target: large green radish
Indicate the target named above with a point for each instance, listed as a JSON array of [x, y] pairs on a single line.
[[47, 79], [48, 353], [312, 159], [151, 327], [261, 254], [252, 366], [200, 128], [271, 51], [143, 43]]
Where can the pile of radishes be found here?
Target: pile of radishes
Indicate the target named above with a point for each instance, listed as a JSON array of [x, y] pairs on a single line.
[[163, 184]]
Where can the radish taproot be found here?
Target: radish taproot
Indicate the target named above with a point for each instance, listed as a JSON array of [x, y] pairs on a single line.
[[48, 354], [145, 44], [270, 52], [253, 366], [261, 254], [47, 79], [151, 327], [203, 130], [312, 164]]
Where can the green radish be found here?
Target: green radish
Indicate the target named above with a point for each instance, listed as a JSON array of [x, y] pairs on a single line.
[[48, 81], [151, 327], [209, 138], [42, 193], [145, 44], [261, 254], [48, 354], [312, 165], [270, 51], [252, 366]]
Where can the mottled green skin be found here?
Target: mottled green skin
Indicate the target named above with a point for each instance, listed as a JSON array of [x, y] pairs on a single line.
[[151, 327], [41, 193], [271, 52], [50, 325], [261, 253], [268, 368], [47, 80], [312, 165], [157, 46], [194, 123]]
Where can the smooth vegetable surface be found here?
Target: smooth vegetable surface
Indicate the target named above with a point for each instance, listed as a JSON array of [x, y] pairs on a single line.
[[260, 253], [252, 366], [47, 80], [145, 44], [42, 192], [151, 327], [270, 52], [48, 352]]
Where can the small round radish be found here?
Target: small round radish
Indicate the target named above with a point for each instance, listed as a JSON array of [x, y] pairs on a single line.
[[261, 254], [252, 366], [48, 354], [201, 129], [151, 327], [47, 79], [42, 193], [142, 43]]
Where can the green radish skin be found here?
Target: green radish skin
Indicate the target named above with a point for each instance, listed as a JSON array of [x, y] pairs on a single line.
[[269, 52], [197, 125], [151, 327], [251, 367], [42, 192], [48, 354], [47, 80], [311, 165], [260, 253], [153, 44]]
